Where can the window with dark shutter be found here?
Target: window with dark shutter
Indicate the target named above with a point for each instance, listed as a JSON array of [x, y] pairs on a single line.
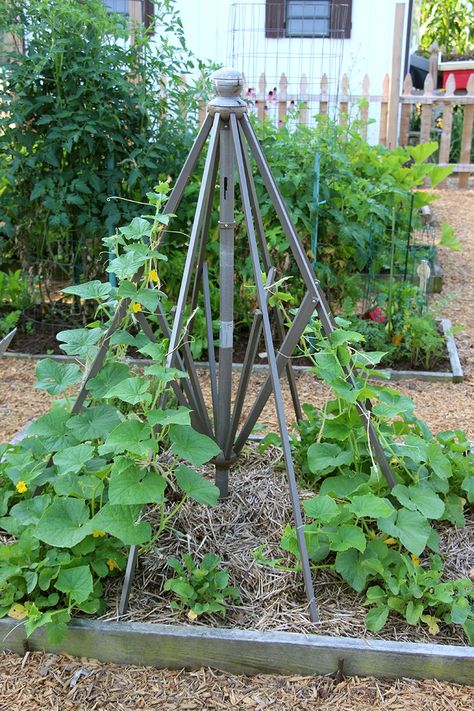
[[308, 18], [120, 6], [148, 13]]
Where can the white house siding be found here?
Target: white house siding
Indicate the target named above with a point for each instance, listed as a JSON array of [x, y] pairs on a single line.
[[212, 29]]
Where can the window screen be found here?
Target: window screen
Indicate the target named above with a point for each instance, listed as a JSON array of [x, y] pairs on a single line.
[[308, 18], [120, 6]]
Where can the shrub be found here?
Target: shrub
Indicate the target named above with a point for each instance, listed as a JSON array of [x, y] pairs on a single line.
[[84, 118]]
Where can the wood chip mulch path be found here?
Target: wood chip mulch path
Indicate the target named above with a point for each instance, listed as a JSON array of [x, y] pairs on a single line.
[[43, 681]]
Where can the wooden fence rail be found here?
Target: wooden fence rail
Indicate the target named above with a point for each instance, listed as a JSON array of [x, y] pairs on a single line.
[[424, 115]]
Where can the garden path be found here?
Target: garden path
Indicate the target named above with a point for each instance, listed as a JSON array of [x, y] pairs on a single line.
[[41, 681]]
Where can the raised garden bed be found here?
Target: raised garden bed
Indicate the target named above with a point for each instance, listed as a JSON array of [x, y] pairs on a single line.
[[269, 631], [30, 346]]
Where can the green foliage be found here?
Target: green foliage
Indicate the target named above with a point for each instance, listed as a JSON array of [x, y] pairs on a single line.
[[85, 119], [382, 541], [202, 589], [450, 23], [94, 471], [400, 324]]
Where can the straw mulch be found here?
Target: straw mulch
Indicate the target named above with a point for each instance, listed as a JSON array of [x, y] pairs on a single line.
[[256, 513], [44, 681]]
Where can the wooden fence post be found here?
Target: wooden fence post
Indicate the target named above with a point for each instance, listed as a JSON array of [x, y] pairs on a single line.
[[445, 142], [384, 111], [395, 75], [426, 111], [261, 97], [434, 51], [304, 99], [466, 141], [405, 112], [282, 98], [344, 100], [364, 109], [323, 102]]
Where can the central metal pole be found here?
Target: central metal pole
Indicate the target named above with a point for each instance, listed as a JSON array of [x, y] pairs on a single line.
[[226, 281]]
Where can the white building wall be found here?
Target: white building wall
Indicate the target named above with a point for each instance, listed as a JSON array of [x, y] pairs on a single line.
[[208, 28]]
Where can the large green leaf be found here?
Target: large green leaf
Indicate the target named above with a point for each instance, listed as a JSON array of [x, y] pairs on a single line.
[[75, 582], [348, 566], [192, 446], [163, 374], [64, 523], [438, 461], [56, 377], [121, 522], [376, 618], [130, 436], [410, 527], [131, 390], [52, 429], [72, 459], [343, 485], [348, 536], [321, 508], [90, 290], [180, 416], [422, 151], [420, 498], [196, 486], [30, 511], [111, 374], [138, 229], [130, 484], [127, 265], [324, 457], [80, 341], [96, 421], [371, 506]]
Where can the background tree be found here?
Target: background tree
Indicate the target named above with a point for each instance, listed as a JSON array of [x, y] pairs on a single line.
[[87, 114]]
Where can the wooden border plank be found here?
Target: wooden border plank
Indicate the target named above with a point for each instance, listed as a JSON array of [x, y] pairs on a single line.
[[456, 375], [456, 368], [247, 651]]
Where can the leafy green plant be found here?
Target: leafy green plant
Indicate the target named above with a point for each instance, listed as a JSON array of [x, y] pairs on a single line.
[[202, 589], [16, 289], [400, 324], [379, 540], [94, 471], [8, 322], [85, 119], [449, 23]]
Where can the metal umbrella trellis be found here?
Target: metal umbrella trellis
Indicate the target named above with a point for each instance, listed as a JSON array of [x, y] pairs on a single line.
[[231, 140]]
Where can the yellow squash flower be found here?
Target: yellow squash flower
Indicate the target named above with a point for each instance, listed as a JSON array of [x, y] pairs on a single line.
[[136, 307], [113, 565], [153, 276], [415, 559], [21, 487], [98, 534]]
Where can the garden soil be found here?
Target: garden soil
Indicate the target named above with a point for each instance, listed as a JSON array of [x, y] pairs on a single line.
[[39, 681]]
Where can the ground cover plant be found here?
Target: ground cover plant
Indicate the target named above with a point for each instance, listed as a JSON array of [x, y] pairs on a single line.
[[382, 542], [72, 492]]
